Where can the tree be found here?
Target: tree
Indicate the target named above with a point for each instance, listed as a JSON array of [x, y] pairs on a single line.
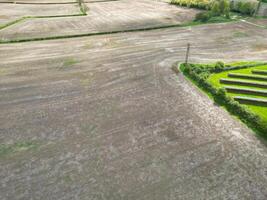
[[221, 8]]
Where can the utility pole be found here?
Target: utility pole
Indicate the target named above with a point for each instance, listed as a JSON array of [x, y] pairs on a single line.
[[187, 53], [258, 8]]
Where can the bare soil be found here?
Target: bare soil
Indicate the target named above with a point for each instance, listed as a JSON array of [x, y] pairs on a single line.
[[110, 120], [37, 1], [12, 12], [103, 17]]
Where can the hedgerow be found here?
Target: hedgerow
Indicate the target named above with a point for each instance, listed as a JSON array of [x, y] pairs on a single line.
[[202, 4], [248, 76], [246, 91], [199, 74], [246, 7], [261, 72], [243, 83]]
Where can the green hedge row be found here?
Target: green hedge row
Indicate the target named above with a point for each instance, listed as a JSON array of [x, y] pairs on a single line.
[[251, 101], [244, 7], [248, 76], [243, 83], [202, 4], [249, 91], [199, 74], [261, 72]]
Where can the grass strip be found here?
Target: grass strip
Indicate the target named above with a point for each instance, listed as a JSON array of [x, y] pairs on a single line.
[[243, 83], [257, 71], [247, 76], [13, 22], [37, 17], [108, 32], [249, 91], [6, 149], [251, 101], [83, 7]]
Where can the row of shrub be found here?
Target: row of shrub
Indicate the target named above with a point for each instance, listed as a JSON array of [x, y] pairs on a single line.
[[248, 76], [221, 67], [243, 83], [246, 7], [202, 4], [249, 91], [199, 74], [217, 9], [251, 100], [261, 72]]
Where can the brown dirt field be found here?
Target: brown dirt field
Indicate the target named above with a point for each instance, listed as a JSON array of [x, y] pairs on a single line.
[[262, 22], [108, 119], [12, 12], [37, 1], [103, 17]]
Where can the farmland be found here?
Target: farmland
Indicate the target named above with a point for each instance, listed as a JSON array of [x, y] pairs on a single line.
[[105, 117], [103, 17]]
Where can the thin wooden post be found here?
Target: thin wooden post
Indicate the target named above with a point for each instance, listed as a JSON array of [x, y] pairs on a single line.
[[258, 8], [187, 53]]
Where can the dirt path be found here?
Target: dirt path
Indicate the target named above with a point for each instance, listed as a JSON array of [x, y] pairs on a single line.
[[108, 119]]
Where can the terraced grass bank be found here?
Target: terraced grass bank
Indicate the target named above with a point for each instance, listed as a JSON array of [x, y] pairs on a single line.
[[240, 87]]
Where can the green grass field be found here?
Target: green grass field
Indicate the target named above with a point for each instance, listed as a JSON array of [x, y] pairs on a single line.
[[214, 79]]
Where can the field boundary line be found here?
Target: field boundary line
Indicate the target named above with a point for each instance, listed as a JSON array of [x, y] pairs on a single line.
[[4, 26], [26, 3], [106, 32], [54, 3]]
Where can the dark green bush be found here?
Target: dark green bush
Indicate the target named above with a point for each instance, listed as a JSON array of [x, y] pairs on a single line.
[[247, 8], [200, 73], [244, 7], [219, 66], [201, 4], [203, 16], [220, 8]]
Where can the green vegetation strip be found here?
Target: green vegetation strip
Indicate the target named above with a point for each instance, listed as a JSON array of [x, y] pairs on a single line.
[[257, 71], [83, 7], [240, 6], [254, 114], [250, 100], [249, 91], [109, 32], [247, 76], [6, 149], [13, 22], [37, 17], [243, 83]]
